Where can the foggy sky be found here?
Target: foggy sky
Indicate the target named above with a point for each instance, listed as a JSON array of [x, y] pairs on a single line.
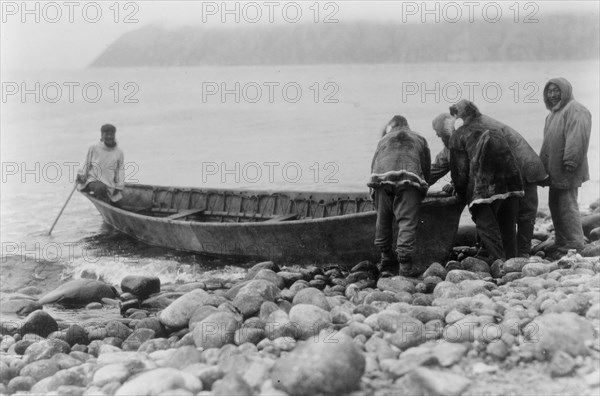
[[66, 38]]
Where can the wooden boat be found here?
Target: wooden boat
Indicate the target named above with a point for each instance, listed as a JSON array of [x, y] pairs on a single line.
[[286, 227]]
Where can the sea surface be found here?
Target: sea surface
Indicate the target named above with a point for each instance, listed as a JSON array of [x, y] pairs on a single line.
[[311, 127]]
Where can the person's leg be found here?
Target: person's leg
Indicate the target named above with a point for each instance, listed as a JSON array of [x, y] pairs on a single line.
[[528, 206], [488, 230], [569, 221], [553, 205], [383, 226], [382, 198], [507, 221], [406, 211]]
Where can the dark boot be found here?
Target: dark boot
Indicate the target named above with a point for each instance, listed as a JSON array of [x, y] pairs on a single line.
[[407, 268], [388, 266]]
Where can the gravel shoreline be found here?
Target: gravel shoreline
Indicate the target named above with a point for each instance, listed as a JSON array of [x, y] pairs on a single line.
[[524, 326]]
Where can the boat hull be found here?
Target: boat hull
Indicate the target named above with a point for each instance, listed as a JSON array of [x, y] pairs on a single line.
[[344, 239]]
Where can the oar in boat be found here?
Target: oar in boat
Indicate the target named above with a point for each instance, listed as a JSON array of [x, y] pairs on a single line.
[[62, 209]]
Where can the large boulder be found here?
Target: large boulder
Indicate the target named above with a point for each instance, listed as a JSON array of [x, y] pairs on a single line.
[[457, 276], [309, 319], [250, 297], [565, 331], [79, 293], [329, 364], [152, 323], [216, 330], [311, 295], [178, 314], [278, 324], [140, 286], [158, 381], [40, 369], [271, 276], [425, 381], [260, 266], [200, 314], [61, 380], [397, 284], [474, 264], [39, 322], [45, 349]]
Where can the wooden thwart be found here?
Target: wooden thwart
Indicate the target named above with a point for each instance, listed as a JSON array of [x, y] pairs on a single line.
[[184, 213], [276, 219]]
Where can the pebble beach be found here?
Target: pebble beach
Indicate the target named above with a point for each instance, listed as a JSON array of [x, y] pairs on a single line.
[[523, 326]]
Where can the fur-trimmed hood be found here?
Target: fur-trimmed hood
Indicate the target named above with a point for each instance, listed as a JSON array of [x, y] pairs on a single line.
[[566, 93]]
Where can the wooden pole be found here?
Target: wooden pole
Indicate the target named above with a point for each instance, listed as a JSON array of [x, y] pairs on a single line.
[[62, 209]]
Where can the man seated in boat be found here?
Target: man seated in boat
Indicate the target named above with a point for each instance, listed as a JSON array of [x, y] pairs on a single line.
[[443, 125], [399, 171], [103, 173]]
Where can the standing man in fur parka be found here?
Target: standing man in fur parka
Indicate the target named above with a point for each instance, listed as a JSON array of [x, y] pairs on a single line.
[[399, 171], [530, 165], [486, 175], [564, 154]]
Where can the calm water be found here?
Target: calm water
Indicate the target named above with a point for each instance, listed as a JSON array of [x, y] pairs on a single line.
[[292, 128]]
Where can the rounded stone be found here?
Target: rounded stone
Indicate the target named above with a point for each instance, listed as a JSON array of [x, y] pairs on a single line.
[[39, 322], [20, 383], [309, 319], [216, 330], [311, 296], [158, 381], [140, 286], [330, 364], [40, 369], [79, 293]]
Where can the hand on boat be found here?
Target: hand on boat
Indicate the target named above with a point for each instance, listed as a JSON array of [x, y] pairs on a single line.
[[448, 189]]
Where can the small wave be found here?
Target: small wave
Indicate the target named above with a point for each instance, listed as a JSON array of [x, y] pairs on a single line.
[[112, 271]]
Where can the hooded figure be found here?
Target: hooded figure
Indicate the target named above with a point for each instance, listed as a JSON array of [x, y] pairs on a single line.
[[564, 154], [486, 175], [443, 125], [530, 165], [399, 171]]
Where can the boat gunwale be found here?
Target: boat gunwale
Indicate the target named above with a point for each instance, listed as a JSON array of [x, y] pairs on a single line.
[[221, 224], [449, 200]]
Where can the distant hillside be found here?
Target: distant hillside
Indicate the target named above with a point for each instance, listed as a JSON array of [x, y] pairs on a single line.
[[555, 37]]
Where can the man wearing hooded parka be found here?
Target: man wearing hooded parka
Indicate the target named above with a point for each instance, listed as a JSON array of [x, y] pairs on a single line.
[[531, 168], [564, 154]]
